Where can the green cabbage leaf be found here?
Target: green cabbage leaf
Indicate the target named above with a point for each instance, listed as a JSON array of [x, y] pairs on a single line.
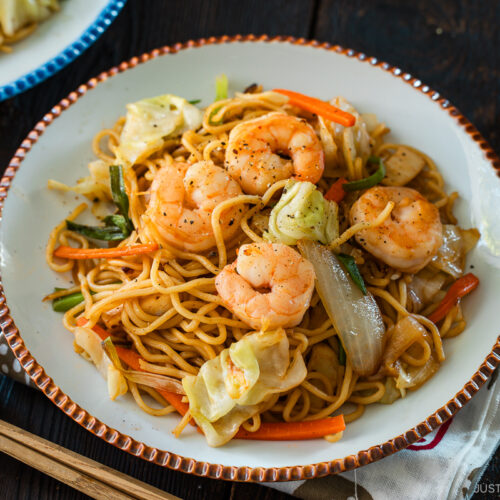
[[150, 121], [303, 213]]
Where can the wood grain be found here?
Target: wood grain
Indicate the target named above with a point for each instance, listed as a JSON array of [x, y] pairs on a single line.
[[76, 480], [83, 474], [452, 45]]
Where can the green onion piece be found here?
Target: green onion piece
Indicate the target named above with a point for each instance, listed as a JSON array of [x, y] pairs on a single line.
[[221, 85], [342, 356], [194, 101], [368, 182], [118, 226], [212, 114], [118, 192], [117, 222], [108, 233], [63, 304], [110, 350], [351, 267]]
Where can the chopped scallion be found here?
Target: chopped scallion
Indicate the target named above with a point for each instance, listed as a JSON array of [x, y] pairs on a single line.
[[118, 191], [63, 304], [350, 265], [117, 226], [342, 355], [370, 181], [107, 233], [221, 86]]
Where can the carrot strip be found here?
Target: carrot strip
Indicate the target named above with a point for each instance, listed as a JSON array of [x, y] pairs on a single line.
[[463, 286], [292, 431], [131, 358], [318, 107], [336, 192], [103, 253]]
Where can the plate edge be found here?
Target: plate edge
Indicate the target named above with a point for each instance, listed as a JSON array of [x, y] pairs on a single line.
[[67, 55], [190, 465]]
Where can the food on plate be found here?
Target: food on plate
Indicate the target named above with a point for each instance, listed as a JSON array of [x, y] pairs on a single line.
[[266, 267], [19, 18]]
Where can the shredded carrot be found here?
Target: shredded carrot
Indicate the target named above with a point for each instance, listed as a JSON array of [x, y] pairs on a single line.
[[292, 431], [64, 252], [336, 192], [318, 107], [81, 321], [463, 286], [131, 358]]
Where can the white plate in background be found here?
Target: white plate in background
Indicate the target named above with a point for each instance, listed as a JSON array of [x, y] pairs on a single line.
[[55, 43]]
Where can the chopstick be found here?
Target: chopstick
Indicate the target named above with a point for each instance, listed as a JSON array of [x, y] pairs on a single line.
[[81, 473]]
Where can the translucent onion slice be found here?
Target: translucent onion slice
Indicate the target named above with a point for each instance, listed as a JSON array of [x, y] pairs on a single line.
[[356, 317], [154, 380], [158, 382]]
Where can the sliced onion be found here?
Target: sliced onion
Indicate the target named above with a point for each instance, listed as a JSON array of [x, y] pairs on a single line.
[[401, 336], [415, 376], [424, 287], [158, 382], [154, 380], [356, 317], [457, 242]]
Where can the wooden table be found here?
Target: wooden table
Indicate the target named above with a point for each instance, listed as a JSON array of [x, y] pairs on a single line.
[[452, 45]]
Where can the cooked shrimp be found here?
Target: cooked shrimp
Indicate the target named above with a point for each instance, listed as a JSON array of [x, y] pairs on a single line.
[[268, 286], [271, 148], [412, 234], [183, 197]]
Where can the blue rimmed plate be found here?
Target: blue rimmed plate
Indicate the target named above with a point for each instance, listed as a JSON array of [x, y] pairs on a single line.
[[55, 43]]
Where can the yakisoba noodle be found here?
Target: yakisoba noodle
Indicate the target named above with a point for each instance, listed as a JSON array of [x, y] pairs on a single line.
[[190, 325]]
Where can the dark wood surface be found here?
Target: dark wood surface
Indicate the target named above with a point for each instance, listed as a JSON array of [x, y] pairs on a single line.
[[452, 45]]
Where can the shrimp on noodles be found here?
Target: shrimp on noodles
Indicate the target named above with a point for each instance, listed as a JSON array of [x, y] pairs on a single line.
[[268, 286], [409, 238], [272, 148], [183, 197]]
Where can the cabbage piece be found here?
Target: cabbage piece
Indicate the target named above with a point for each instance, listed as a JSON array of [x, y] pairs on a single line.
[[96, 185], [391, 392], [457, 242], [88, 341], [149, 121], [15, 14], [303, 213], [324, 360], [235, 385], [343, 145]]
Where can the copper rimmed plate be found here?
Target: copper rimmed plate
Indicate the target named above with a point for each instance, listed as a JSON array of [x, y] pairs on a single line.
[[59, 147]]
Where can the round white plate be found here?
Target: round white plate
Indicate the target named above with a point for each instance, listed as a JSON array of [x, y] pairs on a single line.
[[55, 43], [63, 150]]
